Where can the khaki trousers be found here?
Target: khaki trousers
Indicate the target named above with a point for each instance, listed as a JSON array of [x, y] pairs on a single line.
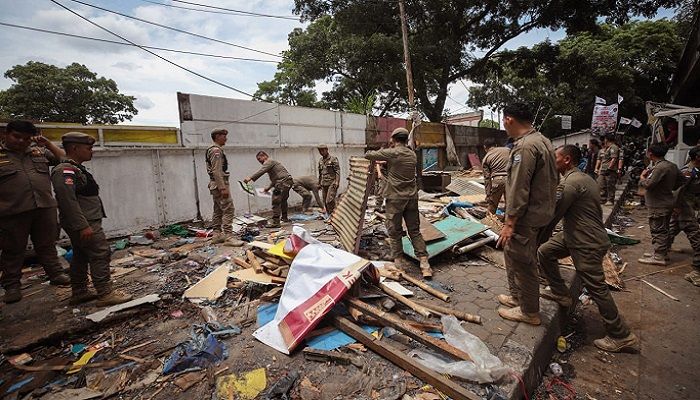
[[606, 183], [222, 218], [93, 255], [398, 210], [41, 224], [688, 225], [659, 227], [589, 267], [329, 195], [495, 189], [520, 255]]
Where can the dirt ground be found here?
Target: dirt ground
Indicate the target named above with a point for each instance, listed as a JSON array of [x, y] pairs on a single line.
[[665, 367]]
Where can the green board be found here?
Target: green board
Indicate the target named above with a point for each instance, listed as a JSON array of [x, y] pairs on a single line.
[[456, 230]]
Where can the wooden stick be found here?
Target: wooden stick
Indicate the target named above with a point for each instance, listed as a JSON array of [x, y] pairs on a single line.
[[660, 290], [278, 280], [409, 303], [449, 311], [440, 295], [132, 358], [397, 357], [254, 262], [656, 272], [403, 327], [138, 346], [241, 263]]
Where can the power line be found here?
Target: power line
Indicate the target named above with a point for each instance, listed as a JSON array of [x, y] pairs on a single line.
[[175, 29], [149, 51], [129, 44], [239, 11], [234, 13], [237, 120]]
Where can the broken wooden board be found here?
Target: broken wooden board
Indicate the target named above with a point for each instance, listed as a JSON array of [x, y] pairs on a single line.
[[456, 230], [396, 356], [249, 275], [260, 245], [466, 187], [102, 314], [210, 287], [427, 230], [251, 220], [489, 254]]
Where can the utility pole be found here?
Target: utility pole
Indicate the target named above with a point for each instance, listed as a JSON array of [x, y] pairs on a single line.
[[407, 58]]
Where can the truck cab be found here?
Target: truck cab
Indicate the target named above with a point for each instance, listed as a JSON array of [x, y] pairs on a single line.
[[678, 127]]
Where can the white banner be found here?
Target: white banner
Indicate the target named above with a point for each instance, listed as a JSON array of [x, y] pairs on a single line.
[[600, 100]]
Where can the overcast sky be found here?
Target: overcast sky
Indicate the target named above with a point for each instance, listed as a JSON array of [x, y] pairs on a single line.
[[152, 81]]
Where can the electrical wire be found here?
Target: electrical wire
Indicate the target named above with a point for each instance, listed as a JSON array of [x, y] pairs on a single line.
[[149, 51], [175, 29], [129, 44], [237, 120], [233, 13], [239, 11]]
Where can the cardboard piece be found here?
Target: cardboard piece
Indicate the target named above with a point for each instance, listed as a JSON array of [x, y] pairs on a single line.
[[102, 314], [210, 287], [249, 275]]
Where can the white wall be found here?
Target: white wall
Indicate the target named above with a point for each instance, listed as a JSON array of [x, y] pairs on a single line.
[[581, 138], [150, 187]]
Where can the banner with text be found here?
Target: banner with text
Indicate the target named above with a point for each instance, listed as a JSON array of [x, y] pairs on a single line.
[[604, 119]]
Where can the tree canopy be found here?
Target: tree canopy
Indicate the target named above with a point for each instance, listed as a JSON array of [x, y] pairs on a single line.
[[72, 94], [635, 60], [356, 45]]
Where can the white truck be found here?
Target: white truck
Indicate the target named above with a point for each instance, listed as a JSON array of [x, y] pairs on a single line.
[[688, 123]]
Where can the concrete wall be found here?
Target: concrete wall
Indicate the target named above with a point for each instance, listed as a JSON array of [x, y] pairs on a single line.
[[156, 185], [579, 137]]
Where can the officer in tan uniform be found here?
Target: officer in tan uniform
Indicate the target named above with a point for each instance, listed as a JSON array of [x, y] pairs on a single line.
[[659, 181], [328, 177], [27, 207], [217, 168], [280, 183], [305, 186], [380, 185], [584, 239], [495, 165], [606, 168], [687, 204], [402, 198], [530, 199], [81, 213]]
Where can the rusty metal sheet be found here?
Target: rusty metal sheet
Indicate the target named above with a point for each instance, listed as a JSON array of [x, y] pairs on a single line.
[[427, 230], [349, 215]]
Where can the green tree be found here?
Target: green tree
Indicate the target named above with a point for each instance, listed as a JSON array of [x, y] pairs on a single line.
[[72, 94], [488, 123], [356, 44], [636, 60]]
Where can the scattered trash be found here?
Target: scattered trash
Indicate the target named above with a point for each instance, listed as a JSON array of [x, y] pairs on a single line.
[[77, 348], [246, 387], [20, 359], [556, 369], [84, 359], [201, 351], [622, 240], [281, 388], [562, 345], [140, 240], [177, 314]]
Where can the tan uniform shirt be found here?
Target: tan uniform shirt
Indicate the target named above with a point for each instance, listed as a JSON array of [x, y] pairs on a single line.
[[606, 155], [401, 171], [307, 182], [78, 196], [578, 202], [495, 162], [217, 167], [688, 196], [329, 171], [24, 180], [275, 170], [532, 181], [663, 178]]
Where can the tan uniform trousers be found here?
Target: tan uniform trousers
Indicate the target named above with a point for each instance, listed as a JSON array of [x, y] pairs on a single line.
[[521, 267], [329, 194], [222, 218], [660, 227], [93, 255], [280, 196], [589, 268], [691, 228], [41, 224], [495, 190], [406, 210], [606, 183]]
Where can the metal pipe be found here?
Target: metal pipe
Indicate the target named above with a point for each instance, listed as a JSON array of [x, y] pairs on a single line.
[[474, 245]]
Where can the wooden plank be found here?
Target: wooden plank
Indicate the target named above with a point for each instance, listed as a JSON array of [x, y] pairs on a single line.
[[427, 230], [403, 327], [260, 245], [440, 295], [397, 357], [254, 262], [449, 311], [409, 303], [241, 262]]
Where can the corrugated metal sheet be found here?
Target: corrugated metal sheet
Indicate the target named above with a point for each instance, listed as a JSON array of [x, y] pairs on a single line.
[[349, 215], [379, 129], [465, 187], [430, 134]]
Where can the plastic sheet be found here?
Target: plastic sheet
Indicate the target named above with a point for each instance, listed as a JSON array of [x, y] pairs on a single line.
[[485, 368]]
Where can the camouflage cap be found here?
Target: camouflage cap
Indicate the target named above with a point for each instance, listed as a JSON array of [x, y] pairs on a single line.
[[77, 137]]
